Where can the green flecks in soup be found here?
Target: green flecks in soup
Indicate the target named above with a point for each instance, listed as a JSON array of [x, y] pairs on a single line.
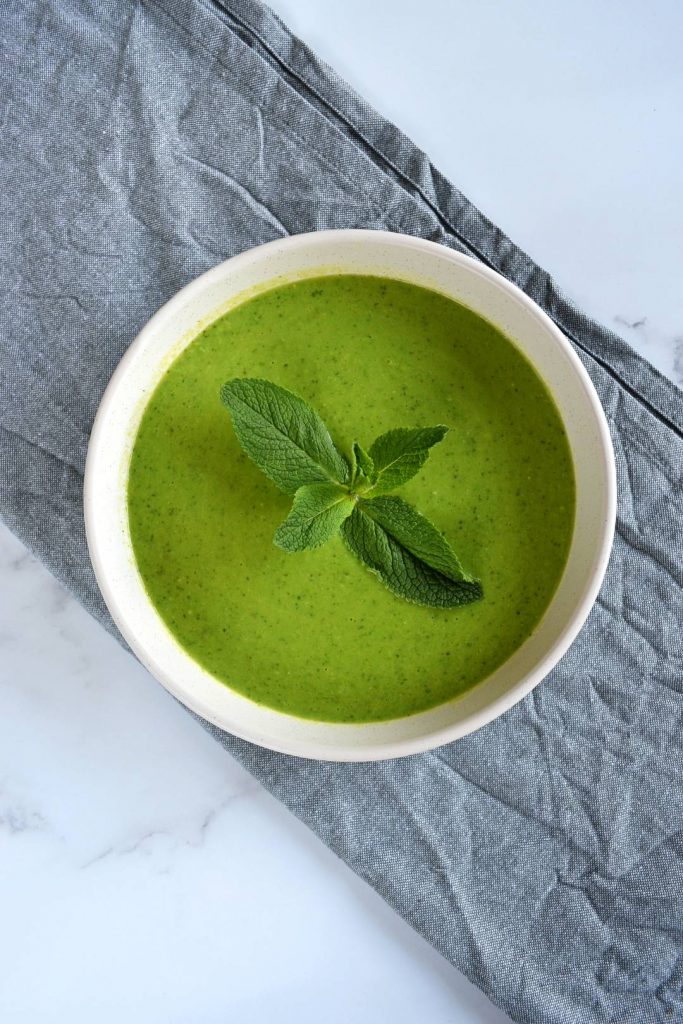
[[313, 633]]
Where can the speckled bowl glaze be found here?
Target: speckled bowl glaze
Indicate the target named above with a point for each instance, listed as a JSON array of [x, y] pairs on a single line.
[[211, 295]]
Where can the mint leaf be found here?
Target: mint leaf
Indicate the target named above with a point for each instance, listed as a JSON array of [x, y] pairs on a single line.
[[408, 553], [415, 532], [361, 469], [283, 435], [315, 517], [363, 461], [399, 454]]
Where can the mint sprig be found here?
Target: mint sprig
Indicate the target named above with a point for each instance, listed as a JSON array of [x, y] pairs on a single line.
[[290, 443]]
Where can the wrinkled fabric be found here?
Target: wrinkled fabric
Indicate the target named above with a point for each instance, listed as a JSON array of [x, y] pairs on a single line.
[[144, 142]]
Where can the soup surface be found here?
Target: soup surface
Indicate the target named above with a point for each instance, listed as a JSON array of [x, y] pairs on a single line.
[[315, 634]]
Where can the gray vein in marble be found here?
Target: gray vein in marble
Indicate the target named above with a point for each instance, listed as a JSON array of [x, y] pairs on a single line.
[[678, 360], [138, 845], [631, 323], [16, 819], [17, 562], [661, 346]]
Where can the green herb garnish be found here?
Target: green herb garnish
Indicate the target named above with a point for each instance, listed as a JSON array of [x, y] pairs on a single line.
[[289, 442]]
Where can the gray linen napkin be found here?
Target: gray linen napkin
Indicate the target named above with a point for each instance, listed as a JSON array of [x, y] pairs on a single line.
[[142, 144]]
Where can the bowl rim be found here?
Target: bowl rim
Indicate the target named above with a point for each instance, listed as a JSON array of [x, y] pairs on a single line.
[[383, 749]]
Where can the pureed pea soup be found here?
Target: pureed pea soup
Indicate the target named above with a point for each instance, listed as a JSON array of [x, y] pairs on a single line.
[[314, 633]]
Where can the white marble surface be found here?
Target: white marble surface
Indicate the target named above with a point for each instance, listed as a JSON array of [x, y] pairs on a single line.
[[143, 875]]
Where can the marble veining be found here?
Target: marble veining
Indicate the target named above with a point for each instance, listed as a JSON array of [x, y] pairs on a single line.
[[662, 348]]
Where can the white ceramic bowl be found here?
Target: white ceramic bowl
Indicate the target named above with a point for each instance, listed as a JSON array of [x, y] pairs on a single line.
[[174, 327]]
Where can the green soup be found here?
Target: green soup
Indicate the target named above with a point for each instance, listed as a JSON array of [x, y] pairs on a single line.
[[314, 633]]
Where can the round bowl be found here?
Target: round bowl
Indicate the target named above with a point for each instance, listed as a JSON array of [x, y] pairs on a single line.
[[211, 295]]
